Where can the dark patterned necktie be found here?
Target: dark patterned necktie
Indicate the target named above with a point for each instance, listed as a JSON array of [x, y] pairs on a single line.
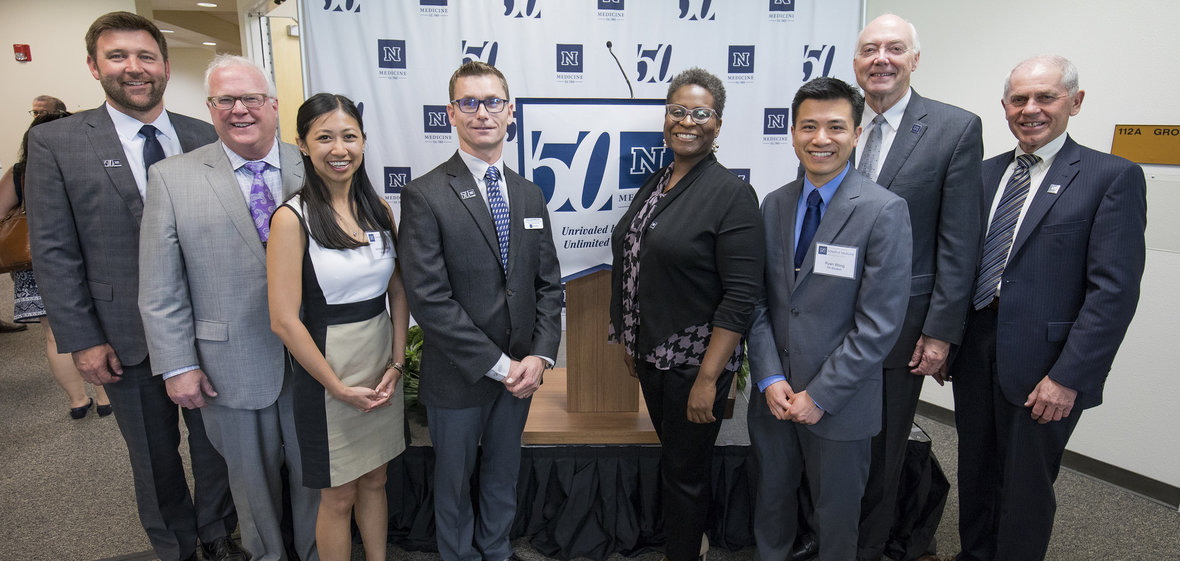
[[261, 202], [499, 209], [1000, 233]]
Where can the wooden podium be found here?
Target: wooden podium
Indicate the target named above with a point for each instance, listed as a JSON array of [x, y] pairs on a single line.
[[593, 400], [596, 377]]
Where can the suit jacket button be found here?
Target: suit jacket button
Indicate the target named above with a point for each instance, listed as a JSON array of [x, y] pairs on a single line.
[[794, 311], [508, 331], [510, 293]]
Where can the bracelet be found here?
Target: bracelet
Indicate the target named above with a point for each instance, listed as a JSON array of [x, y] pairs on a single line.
[[395, 365]]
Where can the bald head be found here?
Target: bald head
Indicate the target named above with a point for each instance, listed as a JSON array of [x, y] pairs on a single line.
[[887, 53]]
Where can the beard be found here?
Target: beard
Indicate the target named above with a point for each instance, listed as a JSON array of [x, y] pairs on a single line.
[[114, 90]]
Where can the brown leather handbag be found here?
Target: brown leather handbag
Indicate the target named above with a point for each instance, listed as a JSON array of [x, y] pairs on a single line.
[[14, 241]]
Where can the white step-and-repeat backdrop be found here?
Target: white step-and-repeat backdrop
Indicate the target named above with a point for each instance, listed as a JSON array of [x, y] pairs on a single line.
[[577, 134]]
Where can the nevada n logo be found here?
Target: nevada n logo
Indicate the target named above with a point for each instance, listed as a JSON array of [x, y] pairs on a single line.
[[697, 10], [522, 9], [653, 63], [395, 179], [353, 6], [776, 125], [483, 51]]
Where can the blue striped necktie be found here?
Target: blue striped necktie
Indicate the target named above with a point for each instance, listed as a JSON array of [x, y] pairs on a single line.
[[499, 208], [1001, 232]]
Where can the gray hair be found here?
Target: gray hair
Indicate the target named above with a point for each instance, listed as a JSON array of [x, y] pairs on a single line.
[[700, 77], [1069, 72], [225, 61]]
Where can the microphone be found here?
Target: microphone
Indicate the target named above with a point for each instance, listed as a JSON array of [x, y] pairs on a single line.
[[624, 72]]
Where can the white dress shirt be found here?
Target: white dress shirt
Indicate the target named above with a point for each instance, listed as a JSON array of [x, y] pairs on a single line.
[[127, 127], [889, 128]]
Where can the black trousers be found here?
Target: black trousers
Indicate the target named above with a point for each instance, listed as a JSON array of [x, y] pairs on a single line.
[[686, 454], [1007, 461]]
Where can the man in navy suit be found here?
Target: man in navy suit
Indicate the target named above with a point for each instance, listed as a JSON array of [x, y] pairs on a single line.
[[1057, 286], [927, 153]]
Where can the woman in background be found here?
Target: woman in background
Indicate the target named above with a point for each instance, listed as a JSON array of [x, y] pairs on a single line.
[[688, 264], [27, 299], [332, 253]]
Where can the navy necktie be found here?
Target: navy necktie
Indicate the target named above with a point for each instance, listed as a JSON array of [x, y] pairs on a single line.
[[499, 208], [152, 150], [810, 225]]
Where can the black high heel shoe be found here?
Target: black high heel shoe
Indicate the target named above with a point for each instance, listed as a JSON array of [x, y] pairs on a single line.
[[79, 412], [104, 410]]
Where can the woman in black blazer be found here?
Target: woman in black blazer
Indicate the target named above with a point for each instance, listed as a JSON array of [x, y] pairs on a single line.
[[688, 263]]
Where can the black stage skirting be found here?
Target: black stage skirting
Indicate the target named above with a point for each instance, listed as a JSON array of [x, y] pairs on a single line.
[[592, 501], [580, 501]]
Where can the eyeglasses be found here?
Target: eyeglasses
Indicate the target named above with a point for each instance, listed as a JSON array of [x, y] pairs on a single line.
[[40, 112], [471, 105], [249, 101], [873, 51], [699, 115]]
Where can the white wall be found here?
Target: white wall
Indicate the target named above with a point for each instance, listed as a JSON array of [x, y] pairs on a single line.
[[54, 30], [1122, 51]]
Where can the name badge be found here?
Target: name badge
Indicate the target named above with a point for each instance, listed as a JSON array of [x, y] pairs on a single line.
[[1054, 188], [835, 260], [468, 194], [112, 164], [377, 246], [534, 224]]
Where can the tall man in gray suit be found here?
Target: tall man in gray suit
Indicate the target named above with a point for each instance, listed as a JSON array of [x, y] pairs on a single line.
[[204, 305], [837, 283], [929, 154], [482, 279], [85, 183], [1057, 285]]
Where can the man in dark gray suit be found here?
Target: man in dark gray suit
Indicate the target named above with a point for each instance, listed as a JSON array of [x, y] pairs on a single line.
[[85, 186], [929, 154], [203, 300], [837, 283], [483, 281]]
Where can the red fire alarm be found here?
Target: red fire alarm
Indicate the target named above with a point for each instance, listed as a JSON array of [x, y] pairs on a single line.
[[22, 52]]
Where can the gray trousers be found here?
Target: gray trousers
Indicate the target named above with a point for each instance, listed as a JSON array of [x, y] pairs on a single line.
[[457, 434], [256, 444], [836, 474]]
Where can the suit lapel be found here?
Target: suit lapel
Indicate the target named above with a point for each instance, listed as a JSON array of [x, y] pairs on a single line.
[[104, 140], [1060, 175], [224, 187], [908, 134], [788, 205], [833, 220], [463, 184], [291, 168], [189, 140]]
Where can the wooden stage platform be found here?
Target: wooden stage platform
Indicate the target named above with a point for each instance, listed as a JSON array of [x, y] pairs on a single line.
[[551, 422]]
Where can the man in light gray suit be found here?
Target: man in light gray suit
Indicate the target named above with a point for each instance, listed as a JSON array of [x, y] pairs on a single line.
[[482, 279], [84, 186], [204, 303], [928, 153], [837, 282]]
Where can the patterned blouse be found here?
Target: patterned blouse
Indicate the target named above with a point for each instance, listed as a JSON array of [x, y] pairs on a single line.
[[686, 347]]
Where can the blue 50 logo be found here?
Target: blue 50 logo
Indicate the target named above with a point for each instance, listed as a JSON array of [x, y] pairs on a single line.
[[652, 63], [522, 9], [817, 61], [342, 6], [697, 10], [587, 161], [483, 52]]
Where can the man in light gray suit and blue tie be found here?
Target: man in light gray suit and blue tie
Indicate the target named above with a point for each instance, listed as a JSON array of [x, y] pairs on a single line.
[[838, 255], [85, 183], [482, 279], [204, 303]]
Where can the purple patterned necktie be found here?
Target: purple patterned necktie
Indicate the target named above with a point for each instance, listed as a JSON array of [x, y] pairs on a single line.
[[261, 202]]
